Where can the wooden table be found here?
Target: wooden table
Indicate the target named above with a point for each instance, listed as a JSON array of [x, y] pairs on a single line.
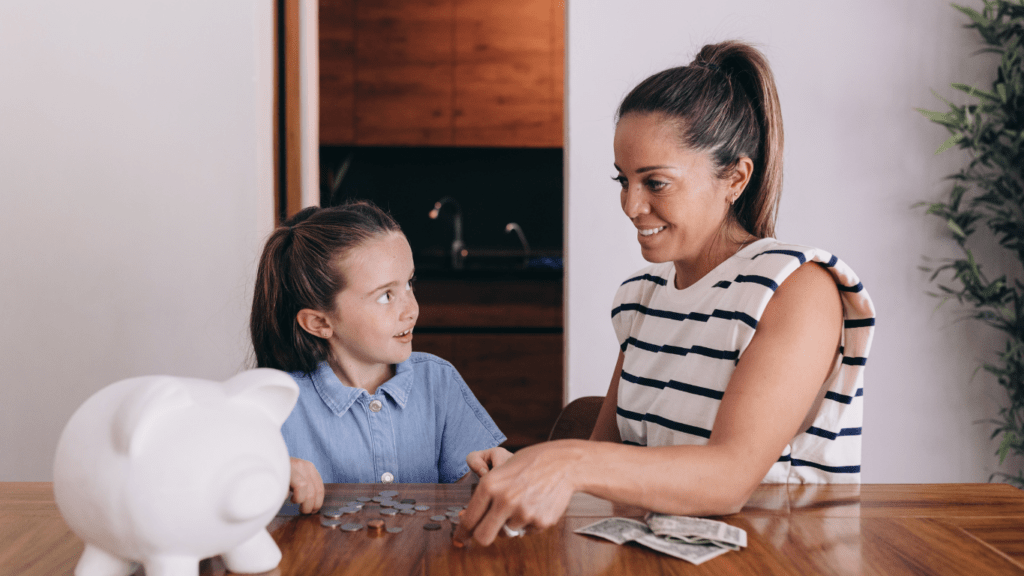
[[973, 529]]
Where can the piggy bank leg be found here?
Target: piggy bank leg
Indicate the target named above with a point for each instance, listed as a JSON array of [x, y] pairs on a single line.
[[97, 562], [257, 554], [171, 566]]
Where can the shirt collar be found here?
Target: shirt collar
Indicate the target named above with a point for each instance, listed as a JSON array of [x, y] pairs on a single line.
[[339, 397]]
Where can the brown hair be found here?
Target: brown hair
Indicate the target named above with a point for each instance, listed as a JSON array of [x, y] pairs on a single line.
[[725, 103], [299, 269]]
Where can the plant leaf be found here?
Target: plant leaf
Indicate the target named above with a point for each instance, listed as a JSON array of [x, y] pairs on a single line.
[[974, 91], [953, 141]]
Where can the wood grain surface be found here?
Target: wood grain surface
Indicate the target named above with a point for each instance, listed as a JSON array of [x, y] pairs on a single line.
[[974, 529]]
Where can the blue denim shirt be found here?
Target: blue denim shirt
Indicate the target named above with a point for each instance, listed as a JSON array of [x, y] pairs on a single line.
[[418, 426]]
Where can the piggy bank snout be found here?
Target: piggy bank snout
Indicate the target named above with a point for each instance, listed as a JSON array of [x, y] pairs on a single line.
[[253, 490]]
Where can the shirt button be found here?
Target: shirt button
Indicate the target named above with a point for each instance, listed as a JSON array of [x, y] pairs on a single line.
[[375, 406], [387, 477]]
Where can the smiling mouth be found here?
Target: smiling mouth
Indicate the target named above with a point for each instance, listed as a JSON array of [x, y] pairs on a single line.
[[650, 231], [406, 333]]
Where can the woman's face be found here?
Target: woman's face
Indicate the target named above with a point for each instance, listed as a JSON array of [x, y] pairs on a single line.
[[671, 194]]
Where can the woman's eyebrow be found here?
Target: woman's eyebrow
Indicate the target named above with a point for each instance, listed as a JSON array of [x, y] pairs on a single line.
[[647, 168]]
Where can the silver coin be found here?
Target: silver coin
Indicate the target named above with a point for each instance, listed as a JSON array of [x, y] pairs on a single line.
[[408, 512], [331, 512], [354, 527], [364, 499], [394, 530], [401, 506], [455, 508], [429, 526], [388, 512], [387, 503], [409, 501], [354, 503], [421, 507], [388, 493], [351, 509], [379, 498], [451, 514], [454, 520], [438, 518], [329, 522]]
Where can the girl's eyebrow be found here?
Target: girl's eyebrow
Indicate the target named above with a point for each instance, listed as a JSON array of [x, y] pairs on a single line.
[[393, 283]]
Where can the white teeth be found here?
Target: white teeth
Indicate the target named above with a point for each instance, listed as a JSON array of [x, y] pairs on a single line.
[[651, 231], [403, 333]]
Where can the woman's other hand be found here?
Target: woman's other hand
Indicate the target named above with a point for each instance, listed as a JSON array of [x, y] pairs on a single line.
[[483, 461], [531, 489], [306, 485]]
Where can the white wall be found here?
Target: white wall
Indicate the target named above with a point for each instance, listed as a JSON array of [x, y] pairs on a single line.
[[135, 190], [857, 157]]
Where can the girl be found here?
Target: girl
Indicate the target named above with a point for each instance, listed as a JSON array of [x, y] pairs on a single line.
[[334, 306], [741, 357]]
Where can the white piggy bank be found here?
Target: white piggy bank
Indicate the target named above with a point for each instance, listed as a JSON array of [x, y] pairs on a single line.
[[167, 471]]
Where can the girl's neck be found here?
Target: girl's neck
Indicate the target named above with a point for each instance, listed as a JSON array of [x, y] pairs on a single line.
[[722, 246], [358, 375]]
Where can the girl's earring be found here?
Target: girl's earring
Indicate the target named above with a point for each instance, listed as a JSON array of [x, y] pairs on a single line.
[[325, 334]]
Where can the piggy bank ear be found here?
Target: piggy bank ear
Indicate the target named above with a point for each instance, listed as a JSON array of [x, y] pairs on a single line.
[[272, 391], [143, 406]]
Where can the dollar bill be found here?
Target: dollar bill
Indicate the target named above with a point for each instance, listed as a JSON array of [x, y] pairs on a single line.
[[687, 529], [692, 553], [618, 530], [622, 530]]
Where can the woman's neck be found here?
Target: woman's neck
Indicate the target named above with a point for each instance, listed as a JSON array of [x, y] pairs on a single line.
[[359, 375], [718, 249]]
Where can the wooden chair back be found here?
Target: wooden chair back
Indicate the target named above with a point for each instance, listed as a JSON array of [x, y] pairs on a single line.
[[577, 419]]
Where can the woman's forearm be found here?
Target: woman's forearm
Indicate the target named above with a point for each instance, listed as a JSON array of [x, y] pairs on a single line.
[[684, 480]]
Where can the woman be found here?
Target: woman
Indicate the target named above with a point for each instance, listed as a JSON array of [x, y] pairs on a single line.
[[737, 366]]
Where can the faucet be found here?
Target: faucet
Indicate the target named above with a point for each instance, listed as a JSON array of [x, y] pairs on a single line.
[[458, 249], [513, 227]]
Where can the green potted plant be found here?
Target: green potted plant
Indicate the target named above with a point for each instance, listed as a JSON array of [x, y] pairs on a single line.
[[989, 191]]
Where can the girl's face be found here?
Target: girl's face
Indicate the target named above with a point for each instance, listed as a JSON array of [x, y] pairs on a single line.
[[671, 194], [374, 314]]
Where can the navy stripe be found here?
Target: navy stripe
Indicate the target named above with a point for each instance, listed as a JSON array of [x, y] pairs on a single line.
[[672, 385], [854, 361], [678, 426], [833, 435], [857, 288], [785, 458], [758, 280], [859, 323], [680, 351], [650, 382], [843, 397], [831, 262], [665, 422], [629, 415], [679, 316], [833, 469], [656, 279], [628, 443], [722, 284], [798, 255]]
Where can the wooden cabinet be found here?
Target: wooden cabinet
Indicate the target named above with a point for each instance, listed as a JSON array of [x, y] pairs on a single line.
[[506, 340], [441, 72]]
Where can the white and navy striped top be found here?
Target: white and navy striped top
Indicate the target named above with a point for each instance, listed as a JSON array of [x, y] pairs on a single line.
[[681, 347]]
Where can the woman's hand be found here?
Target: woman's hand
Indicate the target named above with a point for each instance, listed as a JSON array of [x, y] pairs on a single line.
[[531, 489], [483, 461], [306, 485]]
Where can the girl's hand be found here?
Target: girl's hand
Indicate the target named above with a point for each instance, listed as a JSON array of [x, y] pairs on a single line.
[[531, 490], [307, 487], [483, 461]]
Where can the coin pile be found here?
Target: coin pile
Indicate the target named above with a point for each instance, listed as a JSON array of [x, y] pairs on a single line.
[[385, 504]]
